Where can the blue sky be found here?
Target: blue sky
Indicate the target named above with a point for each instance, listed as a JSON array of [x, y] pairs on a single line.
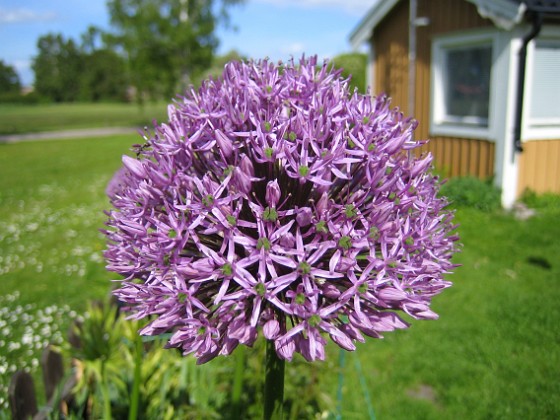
[[277, 29]]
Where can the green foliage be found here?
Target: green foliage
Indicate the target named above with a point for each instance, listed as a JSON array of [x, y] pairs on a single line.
[[168, 43], [217, 67], [9, 80], [104, 77], [472, 192], [104, 357], [354, 65], [66, 72], [96, 356], [17, 98], [543, 202], [58, 67]]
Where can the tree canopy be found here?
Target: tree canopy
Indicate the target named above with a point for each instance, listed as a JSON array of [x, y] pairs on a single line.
[[355, 65], [166, 43], [155, 46], [57, 68], [9, 79], [66, 71]]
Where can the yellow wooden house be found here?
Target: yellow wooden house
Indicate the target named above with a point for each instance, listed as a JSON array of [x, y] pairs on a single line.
[[482, 77]]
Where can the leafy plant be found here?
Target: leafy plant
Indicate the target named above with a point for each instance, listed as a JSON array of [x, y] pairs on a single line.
[[546, 201], [353, 65], [104, 351], [96, 345], [472, 192]]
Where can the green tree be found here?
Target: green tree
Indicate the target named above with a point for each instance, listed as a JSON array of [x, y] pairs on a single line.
[[218, 63], [104, 77], [58, 68], [355, 65], [9, 79], [167, 43]]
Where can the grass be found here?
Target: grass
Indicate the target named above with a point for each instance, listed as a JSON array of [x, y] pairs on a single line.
[[18, 119], [51, 207], [493, 354], [51, 203]]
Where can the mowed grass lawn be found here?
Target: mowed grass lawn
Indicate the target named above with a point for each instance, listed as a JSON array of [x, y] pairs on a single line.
[[493, 354], [51, 209], [18, 119]]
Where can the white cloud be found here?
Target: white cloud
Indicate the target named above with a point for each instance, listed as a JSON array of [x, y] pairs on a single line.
[[24, 16], [25, 73], [22, 64], [355, 7], [295, 48]]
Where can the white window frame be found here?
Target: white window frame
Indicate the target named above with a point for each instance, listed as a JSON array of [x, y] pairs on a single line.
[[538, 129], [440, 123]]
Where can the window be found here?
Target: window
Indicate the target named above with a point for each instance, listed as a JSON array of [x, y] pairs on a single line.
[[541, 105], [544, 84], [461, 77], [467, 84]]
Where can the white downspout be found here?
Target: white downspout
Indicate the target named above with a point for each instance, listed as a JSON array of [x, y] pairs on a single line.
[[504, 81], [370, 72]]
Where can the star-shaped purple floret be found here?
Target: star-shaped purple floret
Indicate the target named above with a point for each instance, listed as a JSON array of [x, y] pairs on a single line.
[[275, 200]]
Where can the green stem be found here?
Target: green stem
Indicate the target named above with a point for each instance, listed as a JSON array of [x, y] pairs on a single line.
[[273, 384], [105, 392], [238, 382], [135, 395]]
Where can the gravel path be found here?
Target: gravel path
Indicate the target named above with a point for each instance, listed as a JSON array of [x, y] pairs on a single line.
[[67, 134]]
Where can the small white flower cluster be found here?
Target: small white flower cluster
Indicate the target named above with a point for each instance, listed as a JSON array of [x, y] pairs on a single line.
[[24, 331], [21, 236]]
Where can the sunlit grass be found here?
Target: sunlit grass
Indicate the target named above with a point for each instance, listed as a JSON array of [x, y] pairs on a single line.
[[52, 197], [494, 352], [51, 207], [15, 119]]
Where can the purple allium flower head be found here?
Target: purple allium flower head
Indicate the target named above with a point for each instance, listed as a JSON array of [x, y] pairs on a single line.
[[275, 200]]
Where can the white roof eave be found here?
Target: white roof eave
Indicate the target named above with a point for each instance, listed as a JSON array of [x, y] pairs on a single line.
[[362, 33], [504, 14]]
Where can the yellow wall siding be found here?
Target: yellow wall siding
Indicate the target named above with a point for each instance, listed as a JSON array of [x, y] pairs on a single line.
[[391, 52], [452, 156], [539, 167], [461, 157]]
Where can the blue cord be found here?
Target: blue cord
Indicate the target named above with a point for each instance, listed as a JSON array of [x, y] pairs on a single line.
[[365, 389], [341, 362]]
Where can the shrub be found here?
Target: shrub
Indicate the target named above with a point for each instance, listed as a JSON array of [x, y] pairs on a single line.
[[31, 98], [472, 192], [545, 201], [106, 351]]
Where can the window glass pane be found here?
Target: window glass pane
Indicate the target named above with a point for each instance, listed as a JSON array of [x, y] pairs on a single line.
[[467, 87], [545, 84]]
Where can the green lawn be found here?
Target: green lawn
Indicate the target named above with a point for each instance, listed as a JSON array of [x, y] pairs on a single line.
[[493, 354], [51, 203], [17, 119]]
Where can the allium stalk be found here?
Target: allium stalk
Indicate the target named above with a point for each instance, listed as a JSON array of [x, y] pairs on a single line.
[[273, 384], [276, 202]]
